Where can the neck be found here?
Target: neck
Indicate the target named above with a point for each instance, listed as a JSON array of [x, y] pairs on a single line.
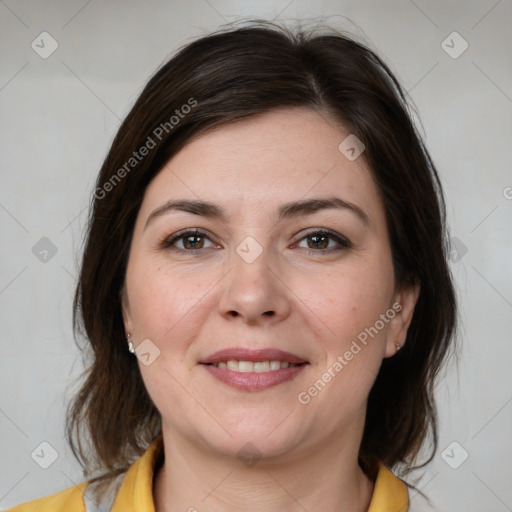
[[328, 478]]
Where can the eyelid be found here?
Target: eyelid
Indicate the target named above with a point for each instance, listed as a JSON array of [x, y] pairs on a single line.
[[169, 241], [340, 239]]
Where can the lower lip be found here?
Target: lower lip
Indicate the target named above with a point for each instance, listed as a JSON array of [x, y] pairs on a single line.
[[254, 381]]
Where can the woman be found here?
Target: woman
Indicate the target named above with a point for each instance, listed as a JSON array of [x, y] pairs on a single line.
[[264, 286]]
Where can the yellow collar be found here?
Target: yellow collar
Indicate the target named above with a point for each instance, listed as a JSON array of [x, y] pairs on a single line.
[[136, 491]]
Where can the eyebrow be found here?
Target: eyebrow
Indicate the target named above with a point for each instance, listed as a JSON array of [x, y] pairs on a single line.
[[286, 211]]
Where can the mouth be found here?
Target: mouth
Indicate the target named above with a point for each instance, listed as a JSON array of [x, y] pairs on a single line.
[[253, 370], [253, 366]]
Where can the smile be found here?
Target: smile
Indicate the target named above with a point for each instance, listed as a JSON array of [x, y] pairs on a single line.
[[253, 370], [253, 366]]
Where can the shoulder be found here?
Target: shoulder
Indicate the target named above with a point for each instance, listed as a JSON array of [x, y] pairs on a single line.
[[68, 500], [128, 491], [390, 493]]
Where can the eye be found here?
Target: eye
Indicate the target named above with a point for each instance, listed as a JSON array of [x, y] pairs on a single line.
[[319, 242], [189, 241]]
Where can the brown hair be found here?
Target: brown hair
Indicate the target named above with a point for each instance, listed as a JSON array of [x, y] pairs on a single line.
[[217, 79]]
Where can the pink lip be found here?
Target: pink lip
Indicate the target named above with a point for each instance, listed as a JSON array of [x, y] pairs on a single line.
[[244, 354], [254, 381]]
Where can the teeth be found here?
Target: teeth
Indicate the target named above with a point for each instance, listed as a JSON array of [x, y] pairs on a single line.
[[261, 366], [245, 366], [250, 366], [232, 365]]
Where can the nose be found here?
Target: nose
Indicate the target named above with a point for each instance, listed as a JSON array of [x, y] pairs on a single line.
[[254, 292]]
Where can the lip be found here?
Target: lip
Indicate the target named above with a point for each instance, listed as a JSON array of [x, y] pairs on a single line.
[[253, 381], [244, 354]]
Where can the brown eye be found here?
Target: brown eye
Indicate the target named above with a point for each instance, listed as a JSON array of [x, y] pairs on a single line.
[[193, 242], [188, 241], [318, 241], [323, 241]]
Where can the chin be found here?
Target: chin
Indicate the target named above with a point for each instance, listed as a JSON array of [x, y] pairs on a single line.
[[267, 439]]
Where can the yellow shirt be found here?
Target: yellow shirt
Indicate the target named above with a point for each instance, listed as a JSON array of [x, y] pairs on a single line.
[[135, 493]]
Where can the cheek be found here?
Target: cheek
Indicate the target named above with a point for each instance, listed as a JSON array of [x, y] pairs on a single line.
[[169, 307], [163, 301], [351, 304], [350, 301]]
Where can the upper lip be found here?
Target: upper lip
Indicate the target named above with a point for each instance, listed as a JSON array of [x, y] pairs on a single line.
[[244, 354]]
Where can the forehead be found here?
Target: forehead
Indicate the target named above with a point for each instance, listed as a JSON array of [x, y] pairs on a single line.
[[266, 160]]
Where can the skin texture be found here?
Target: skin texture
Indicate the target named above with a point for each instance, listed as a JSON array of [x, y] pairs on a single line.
[[312, 304]]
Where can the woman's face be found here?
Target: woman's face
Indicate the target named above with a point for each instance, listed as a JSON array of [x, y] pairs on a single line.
[[259, 276]]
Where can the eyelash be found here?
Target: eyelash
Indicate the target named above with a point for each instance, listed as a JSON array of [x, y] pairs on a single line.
[[343, 242]]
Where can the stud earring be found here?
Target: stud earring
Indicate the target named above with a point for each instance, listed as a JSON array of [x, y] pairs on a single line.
[[130, 344], [397, 346]]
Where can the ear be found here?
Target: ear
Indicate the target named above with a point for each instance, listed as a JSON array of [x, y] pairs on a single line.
[[404, 302], [125, 308]]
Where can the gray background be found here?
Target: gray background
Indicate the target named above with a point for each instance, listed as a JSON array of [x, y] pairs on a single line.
[[60, 113]]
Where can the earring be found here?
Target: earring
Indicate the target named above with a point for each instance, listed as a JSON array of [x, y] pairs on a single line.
[[130, 344], [397, 346]]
